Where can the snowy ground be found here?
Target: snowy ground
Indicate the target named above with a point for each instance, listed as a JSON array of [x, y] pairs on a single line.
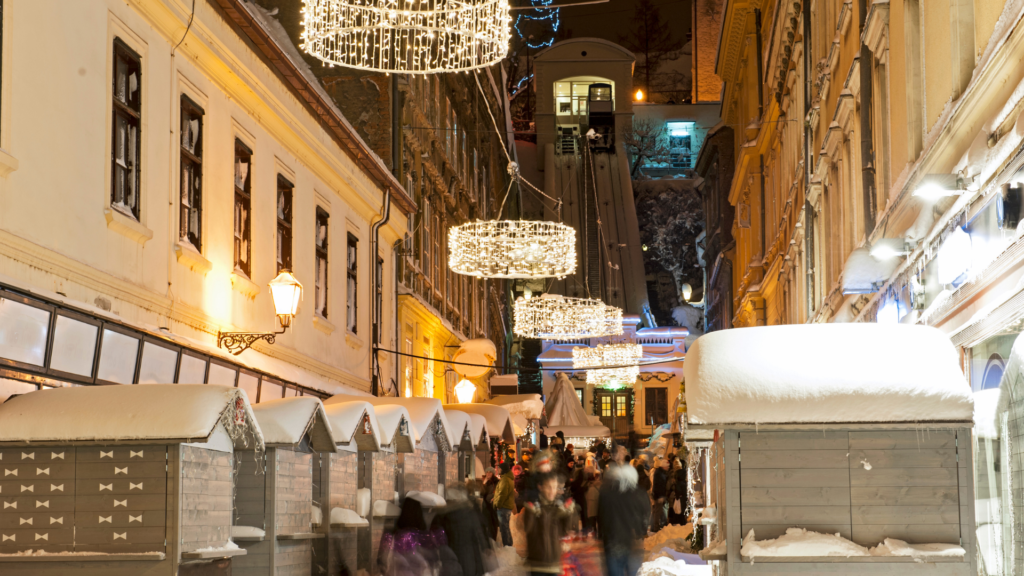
[[668, 553]]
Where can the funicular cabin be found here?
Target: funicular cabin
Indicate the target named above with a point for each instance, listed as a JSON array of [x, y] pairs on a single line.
[[832, 453], [274, 496], [122, 479], [601, 115]]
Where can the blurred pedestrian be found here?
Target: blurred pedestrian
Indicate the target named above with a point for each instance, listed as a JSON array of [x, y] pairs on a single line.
[[546, 521], [490, 512], [461, 525], [622, 509], [659, 493], [505, 503], [679, 494], [592, 497]]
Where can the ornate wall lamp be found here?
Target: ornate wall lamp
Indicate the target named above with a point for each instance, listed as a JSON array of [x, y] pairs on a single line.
[[286, 292]]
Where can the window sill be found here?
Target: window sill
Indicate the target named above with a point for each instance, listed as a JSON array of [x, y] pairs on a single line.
[[8, 163], [323, 325], [127, 226], [189, 256], [353, 340], [243, 285]]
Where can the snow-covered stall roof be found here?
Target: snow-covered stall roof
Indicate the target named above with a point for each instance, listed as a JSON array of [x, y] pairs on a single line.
[[162, 413], [395, 425], [422, 411], [478, 429], [499, 423], [460, 427], [529, 405], [474, 426], [566, 414], [348, 422], [287, 421], [825, 373]]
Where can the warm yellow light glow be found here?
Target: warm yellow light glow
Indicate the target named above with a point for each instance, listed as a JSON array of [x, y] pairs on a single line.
[[639, 95], [512, 249], [286, 292], [464, 391], [687, 291], [554, 317], [407, 36]]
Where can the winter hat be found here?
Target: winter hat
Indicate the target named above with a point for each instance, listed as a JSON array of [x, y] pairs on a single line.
[[505, 467], [517, 470]]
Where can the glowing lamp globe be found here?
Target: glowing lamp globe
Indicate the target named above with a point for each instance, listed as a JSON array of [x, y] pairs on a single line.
[[286, 292], [687, 291], [464, 391]]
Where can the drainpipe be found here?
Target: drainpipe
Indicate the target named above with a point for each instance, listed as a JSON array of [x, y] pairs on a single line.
[[808, 163], [760, 65], [376, 289], [867, 153]]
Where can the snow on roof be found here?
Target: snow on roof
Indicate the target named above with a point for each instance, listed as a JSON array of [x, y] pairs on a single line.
[[391, 417], [460, 425], [288, 420], [986, 403], [499, 423], [529, 405], [478, 428], [347, 418], [519, 424], [422, 412], [475, 426], [817, 373], [154, 412], [563, 406], [579, 431]]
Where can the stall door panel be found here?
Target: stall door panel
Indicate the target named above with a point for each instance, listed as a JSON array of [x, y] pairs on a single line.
[[121, 499], [37, 499], [794, 479]]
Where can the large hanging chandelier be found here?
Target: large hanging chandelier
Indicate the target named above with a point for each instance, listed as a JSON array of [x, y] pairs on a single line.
[[407, 36], [554, 317], [512, 249], [624, 357]]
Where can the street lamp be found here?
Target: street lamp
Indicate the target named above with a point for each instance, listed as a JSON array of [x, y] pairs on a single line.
[[464, 391], [639, 95], [935, 186], [887, 248], [286, 292], [687, 291]]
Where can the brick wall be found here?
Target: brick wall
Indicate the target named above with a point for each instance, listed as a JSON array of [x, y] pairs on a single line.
[[451, 468], [383, 489], [294, 496], [344, 483], [206, 497], [421, 471]]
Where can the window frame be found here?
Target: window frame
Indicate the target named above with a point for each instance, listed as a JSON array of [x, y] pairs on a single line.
[[321, 254], [195, 162], [285, 236], [243, 196], [133, 116], [352, 283]]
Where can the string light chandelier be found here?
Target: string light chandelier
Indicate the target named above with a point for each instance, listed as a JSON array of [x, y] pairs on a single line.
[[554, 317], [512, 249], [407, 36], [624, 356]]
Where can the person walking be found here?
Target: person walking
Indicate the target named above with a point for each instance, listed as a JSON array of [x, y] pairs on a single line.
[[659, 493], [678, 500], [592, 496], [490, 512], [546, 521], [505, 503], [461, 524], [621, 515]]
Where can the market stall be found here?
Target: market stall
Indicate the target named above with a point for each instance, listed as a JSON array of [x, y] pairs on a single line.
[[837, 454], [138, 479]]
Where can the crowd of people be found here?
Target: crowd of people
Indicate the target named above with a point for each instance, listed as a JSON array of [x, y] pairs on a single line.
[[555, 492]]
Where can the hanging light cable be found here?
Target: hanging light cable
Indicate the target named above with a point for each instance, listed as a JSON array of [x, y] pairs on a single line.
[[407, 36]]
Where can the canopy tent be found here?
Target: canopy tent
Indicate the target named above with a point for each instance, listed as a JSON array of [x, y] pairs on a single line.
[[286, 420], [826, 373], [529, 406], [422, 411], [566, 414], [499, 423]]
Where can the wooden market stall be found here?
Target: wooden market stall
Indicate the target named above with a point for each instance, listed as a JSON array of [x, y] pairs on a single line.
[[840, 449], [473, 445], [122, 479], [274, 502]]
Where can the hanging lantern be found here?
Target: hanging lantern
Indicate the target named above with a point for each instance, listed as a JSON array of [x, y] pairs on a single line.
[[554, 317], [623, 356], [512, 249], [407, 36]]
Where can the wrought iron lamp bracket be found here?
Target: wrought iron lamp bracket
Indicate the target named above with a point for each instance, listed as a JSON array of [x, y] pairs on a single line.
[[238, 342]]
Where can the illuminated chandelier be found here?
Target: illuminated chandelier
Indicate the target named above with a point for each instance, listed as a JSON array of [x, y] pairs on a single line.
[[554, 317], [512, 249], [624, 356], [407, 36]]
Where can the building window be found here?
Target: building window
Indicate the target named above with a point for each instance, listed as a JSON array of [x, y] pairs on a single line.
[[680, 143], [190, 223], [437, 253], [606, 406], [352, 272], [579, 394], [126, 138], [284, 224], [620, 406], [243, 206], [321, 262], [655, 406]]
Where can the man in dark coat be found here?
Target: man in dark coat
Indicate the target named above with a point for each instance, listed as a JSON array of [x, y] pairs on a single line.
[[659, 493], [546, 521], [490, 512], [462, 528], [621, 513]]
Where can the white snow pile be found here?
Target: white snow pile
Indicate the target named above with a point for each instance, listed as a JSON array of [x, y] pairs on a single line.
[[286, 420], [801, 542], [247, 532], [826, 373], [986, 403], [347, 517], [229, 545], [669, 567], [509, 562], [113, 413]]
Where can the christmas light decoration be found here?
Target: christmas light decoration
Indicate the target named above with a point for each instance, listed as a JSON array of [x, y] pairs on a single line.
[[407, 36], [554, 317], [624, 356], [512, 249], [539, 19]]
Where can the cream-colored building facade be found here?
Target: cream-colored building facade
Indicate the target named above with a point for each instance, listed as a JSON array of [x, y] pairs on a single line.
[[125, 262]]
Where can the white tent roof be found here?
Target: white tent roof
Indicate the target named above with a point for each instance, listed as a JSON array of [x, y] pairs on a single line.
[[390, 418], [287, 420], [422, 411], [529, 405], [154, 412], [565, 412], [826, 373], [499, 423], [346, 419]]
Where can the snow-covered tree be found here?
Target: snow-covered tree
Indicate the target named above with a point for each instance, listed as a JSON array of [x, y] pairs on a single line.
[[645, 141]]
